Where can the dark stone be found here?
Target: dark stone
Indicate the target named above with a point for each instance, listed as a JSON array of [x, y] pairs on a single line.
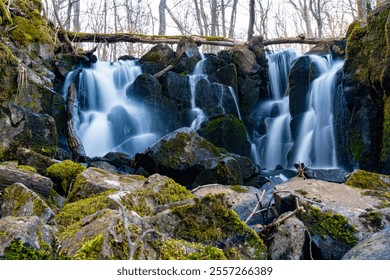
[[31, 158], [157, 58], [227, 132], [329, 175], [249, 95], [187, 56]]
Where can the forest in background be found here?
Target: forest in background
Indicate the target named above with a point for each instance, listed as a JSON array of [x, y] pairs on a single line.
[[234, 19]]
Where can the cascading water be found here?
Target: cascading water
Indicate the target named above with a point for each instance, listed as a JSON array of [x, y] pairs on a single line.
[[316, 135], [197, 75], [273, 140], [109, 120]]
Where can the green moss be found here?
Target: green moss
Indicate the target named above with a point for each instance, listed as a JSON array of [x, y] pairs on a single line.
[[64, 173], [227, 174], [355, 24], [367, 180], [356, 145], [8, 74], [5, 16], [28, 168], [168, 192], [90, 250], [17, 250], [173, 249], [74, 212], [239, 189], [329, 224], [386, 130], [210, 221]]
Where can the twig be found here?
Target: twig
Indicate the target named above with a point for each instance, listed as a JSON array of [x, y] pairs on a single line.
[[256, 207]]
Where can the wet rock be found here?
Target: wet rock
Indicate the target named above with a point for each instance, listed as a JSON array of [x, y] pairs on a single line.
[[157, 58], [187, 56], [113, 162], [19, 201], [329, 175], [31, 158], [190, 160], [375, 247], [11, 174]]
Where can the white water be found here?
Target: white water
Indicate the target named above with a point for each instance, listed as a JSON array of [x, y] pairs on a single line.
[[316, 141], [275, 141], [109, 120], [197, 75]]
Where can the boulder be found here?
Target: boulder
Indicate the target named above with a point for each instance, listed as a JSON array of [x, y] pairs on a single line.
[[113, 162], [242, 199], [187, 56], [157, 58], [288, 240], [26, 238], [375, 247], [227, 132], [64, 174], [245, 61], [336, 215], [191, 160], [20, 127], [34, 159], [11, 174], [19, 201], [93, 181], [329, 175]]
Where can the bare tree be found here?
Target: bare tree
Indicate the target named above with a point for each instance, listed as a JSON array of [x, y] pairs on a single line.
[[198, 17], [303, 9], [362, 9], [263, 13], [233, 18], [251, 19], [161, 13]]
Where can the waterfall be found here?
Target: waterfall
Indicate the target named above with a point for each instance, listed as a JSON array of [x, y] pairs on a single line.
[[197, 75], [273, 138], [316, 141], [108, 119]]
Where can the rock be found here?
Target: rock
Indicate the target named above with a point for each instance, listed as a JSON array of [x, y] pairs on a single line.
[[93, 181], [329, 175], [210, 222], [376, 247], [21, 128], [113, 162], [38, 161], [227, 132], [334, 213], [157, 58], [19, 201], [242, 199], [288, 240], [190, 160], [187, 56], [11, 174], [25, 238], [64, 174], [249, 95], [366, 84], [245, 61]]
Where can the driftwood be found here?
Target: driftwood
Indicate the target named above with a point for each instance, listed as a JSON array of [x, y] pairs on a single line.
[[77, 148], [162, 72], [199, 40]]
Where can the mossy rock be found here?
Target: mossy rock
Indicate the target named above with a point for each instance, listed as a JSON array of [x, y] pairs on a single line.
[[373, 184], [8, 73], [173, 249], [210, 221], [18, 250], [65, 173]]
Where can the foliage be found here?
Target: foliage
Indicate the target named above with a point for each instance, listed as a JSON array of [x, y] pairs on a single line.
[[17, 250], [90, 250]]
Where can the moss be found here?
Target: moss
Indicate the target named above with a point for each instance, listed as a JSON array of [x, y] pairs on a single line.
[[64, 173], [227, 174], [372, 219], [239, 189], [211, 222], [386, 131], [168, 192], [302, 192], [172, 249], [329, 224], [27, 168], [74, 212], [90, 250], [8, 75], [5, 17], [355, 144], [17, 250], [355, 24]]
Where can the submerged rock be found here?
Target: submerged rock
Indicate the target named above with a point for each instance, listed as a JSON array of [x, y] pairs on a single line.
[[329, 175]]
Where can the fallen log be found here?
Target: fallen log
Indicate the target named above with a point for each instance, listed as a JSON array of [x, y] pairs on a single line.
[[175, 39]]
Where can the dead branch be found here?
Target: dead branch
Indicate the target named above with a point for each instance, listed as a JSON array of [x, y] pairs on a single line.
[[256, 207], [162, 72]]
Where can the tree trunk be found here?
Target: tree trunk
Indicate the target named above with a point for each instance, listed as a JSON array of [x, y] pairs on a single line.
[[76, 15], [204, 17], [251, 19], [178, 24], [214, 20], [233, 19], [161, 13], [362, 9]]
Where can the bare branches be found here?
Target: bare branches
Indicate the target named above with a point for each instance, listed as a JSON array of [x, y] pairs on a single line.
[[258, 204]]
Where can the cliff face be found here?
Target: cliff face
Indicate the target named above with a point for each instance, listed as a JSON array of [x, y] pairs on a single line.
[[367, 90]]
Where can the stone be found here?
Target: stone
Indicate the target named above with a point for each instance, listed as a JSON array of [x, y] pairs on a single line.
[[93, 181], [157, 58], [288, 240], [337, 216], [375, 247], [245, 61], [329, 175], [10, 174], [34, 159], [19, 201], [26, 238]]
